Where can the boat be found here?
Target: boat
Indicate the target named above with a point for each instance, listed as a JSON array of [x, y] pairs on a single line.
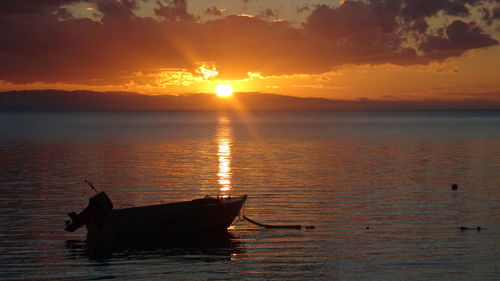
[[208, 215]]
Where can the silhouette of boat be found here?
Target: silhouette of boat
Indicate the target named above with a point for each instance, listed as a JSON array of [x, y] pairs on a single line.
[[209, 215]]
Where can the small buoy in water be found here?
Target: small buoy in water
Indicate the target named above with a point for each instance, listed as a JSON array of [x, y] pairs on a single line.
[[454, 186], [367, 227]]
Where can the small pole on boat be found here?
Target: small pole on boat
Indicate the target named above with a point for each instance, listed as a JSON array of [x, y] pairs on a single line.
[[91, 186]]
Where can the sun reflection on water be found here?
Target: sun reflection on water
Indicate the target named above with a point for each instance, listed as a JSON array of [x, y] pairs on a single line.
[[224, 142]]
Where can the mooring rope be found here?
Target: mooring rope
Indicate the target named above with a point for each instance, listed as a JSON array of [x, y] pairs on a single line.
[[291, 226]]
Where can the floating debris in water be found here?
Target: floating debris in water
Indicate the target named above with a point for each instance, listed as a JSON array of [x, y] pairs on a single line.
[[477, 228]]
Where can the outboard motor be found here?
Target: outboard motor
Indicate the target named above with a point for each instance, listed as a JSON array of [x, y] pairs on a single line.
[[99, 207]]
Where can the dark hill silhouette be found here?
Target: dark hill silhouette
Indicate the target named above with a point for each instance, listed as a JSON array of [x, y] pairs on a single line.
[[89, 100]]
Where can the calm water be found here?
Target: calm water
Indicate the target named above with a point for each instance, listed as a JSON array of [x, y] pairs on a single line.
[[339, 171]]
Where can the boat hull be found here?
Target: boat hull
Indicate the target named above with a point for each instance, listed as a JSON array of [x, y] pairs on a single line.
[[201, 216]]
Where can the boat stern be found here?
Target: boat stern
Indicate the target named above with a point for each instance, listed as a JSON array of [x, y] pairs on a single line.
[[99, 207]]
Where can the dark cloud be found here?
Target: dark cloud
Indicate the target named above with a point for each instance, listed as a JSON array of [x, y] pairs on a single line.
[[63, 13], [487, 16], [377, 31], [214, 11], [267, 14], [116, 10], [31, 6], [40, 47], [43, 42], [496, 13], [354, 22], [416, 9], [362, 32], [459, 36], [414, 13], [174, 10], [303, 9]]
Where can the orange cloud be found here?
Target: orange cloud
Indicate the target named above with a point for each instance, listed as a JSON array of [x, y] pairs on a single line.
[[41, 42], [207, 72]]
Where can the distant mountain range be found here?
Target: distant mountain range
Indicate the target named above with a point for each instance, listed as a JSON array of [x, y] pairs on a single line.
[[89, 100]]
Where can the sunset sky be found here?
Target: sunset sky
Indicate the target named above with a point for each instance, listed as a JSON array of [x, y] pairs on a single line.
[[375, 49]]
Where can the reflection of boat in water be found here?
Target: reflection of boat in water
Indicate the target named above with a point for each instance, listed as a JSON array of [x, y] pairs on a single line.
[[197, 246], [200, 216]]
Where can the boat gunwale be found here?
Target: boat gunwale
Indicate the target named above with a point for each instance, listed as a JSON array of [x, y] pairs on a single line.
[[175, 206]]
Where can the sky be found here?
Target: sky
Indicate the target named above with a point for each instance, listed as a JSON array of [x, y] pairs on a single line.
[[350, 49]]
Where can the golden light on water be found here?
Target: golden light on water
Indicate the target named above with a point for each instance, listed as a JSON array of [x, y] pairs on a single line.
[[224, 90], [224, 142]]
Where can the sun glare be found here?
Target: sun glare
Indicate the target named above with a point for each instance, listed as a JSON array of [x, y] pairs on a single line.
[[224, 90]]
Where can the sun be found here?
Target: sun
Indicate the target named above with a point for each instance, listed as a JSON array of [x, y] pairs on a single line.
[[224, 90]]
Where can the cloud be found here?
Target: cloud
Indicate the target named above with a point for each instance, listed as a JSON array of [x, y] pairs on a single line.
[[302, 9], [173, 10], [496, 13], [417, 9], [116, 10], [378, 31], [8, 8], [268, 13], [214, 11], [353, 23], [42, 41], [459, 36]]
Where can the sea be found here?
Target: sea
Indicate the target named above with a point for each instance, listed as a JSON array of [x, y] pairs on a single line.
[[376, 186]]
